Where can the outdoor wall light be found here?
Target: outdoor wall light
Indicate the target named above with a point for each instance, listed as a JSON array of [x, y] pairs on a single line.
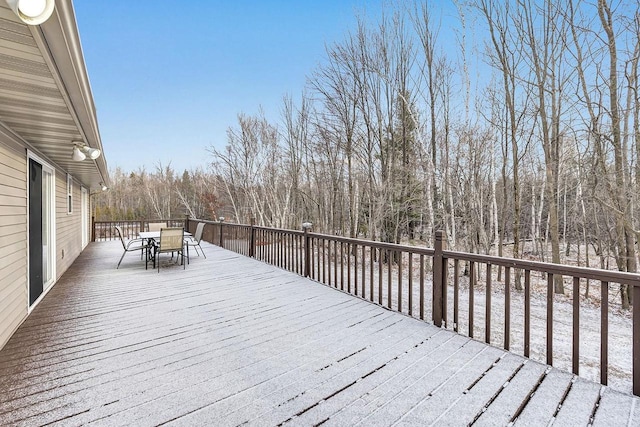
[[32, 12], [103, 187], [78, 155], [82, 151]]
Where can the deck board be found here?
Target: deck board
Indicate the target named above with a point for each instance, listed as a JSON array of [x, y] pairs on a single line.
[[231, 340]]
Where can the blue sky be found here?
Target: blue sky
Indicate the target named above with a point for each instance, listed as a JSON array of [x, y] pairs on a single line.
[[168, 80]]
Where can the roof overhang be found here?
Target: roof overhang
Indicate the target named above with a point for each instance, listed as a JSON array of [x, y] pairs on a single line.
[[45, 95]]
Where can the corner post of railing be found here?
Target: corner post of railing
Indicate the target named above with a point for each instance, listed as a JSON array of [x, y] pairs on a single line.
[[221, 219], [306, 226], [438, 277], [636, 339], [93, 228], [252, 238], [142, 225], [186, 222]]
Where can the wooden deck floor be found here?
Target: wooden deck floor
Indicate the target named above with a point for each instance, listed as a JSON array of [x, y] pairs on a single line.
[[232, 341]]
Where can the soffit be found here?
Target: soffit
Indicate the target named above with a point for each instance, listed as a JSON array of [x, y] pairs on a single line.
[[45, 99]]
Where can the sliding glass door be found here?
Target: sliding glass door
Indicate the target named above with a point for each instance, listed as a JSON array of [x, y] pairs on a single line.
[[41, 228]]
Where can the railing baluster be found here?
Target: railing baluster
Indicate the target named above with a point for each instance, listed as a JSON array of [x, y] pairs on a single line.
[[363, 271], [410, 266], [355, 268], [291, 250], [456, 284], [335, 264], [349, 267], [324, 261], [576, 326], [389, 285], [399, 260], [507, 308], [371, 256], [277, 258], [487, 314], [294, 254], [314, 243], [527, 312], [380, 277], [604, 332], [342, 266], [421, 287], [445, 289], [550, 319], [472, 284], [329, 263], [285, 252], [636, 339], [319, 259]]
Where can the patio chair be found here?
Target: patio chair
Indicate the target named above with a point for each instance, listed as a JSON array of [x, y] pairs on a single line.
[[195, 240], [133, 245], [171, 240], [156, 226]]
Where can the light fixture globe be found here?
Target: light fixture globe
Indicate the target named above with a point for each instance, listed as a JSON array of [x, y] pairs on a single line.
[[32, 12], [93, 153], [77, 155], [32, 8]]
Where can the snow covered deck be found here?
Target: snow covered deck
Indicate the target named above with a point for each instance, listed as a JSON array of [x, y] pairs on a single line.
[[231, 340]]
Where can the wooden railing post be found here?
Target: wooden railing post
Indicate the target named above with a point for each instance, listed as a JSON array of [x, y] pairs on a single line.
[[307, 248], [93, 228], [438, 277], [221, 240], [186, 222], [252, 239]]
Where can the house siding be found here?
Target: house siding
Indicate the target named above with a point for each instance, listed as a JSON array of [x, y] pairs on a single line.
[[14, 286], [68, 225], [13, 241]]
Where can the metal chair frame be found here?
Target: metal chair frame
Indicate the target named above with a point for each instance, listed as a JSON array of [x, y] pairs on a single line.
[[132, 246], [195, 241]]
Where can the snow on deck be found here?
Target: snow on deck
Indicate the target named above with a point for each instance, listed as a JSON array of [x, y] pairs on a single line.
[[232, 341]]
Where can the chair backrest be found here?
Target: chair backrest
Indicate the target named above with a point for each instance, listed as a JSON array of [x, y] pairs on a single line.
[[119, 232], [171, 239], [199, 231], [157, 226]]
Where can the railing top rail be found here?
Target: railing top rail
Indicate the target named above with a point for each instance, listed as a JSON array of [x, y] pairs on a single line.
[[613, 276], [377, 244], [362, 242], [567, 270], [133, 221]]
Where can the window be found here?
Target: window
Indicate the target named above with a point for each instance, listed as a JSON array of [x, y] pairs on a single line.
[[69, 194]]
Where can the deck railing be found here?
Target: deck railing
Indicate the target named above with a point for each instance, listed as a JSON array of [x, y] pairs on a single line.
[[105, 230], [396, 277]]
